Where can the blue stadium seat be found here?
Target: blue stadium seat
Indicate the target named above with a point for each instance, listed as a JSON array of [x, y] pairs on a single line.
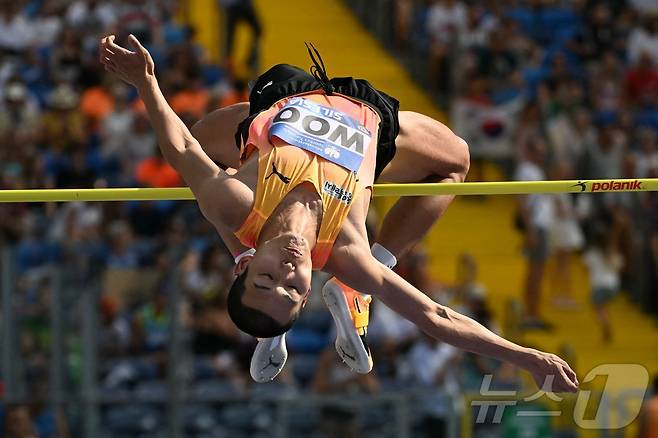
[[152, 390], [133, 418], [200, 417], [303, 340], [648, 118], [303, 367], [214, 389], [272, 390]]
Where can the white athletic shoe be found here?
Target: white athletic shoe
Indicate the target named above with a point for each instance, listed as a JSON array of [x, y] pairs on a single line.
[[269, 358], [350, 311]]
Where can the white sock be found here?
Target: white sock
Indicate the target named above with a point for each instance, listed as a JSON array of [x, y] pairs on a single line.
[[383, 256]]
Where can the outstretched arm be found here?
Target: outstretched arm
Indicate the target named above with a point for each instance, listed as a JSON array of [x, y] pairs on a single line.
[[361, 271], [177, 144]]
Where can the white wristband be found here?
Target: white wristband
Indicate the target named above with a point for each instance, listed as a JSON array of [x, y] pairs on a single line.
[[244, 254]]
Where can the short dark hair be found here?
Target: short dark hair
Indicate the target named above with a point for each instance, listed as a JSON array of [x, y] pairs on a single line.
[[249, 320]]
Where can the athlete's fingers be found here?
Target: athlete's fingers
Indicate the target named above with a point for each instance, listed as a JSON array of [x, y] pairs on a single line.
[[132, 39], [118, 49], [567, 384], [110, 68], [571, 374]]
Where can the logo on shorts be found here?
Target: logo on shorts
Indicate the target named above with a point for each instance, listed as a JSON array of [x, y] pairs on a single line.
[[338, 192]]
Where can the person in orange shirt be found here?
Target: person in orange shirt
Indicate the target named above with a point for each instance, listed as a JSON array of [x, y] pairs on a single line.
[[96, 103], [156, 172], [315, 153], [193, 99]]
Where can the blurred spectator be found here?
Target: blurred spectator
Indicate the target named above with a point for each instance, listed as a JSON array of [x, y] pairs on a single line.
[[446, 20], [97, 101], [565, 239], [206, 274], [570, 135], [641, 80], [433, 364], [646, 152], [467, 285], [535, 215], [604, 263], [403, 11], [334, 377], [237, 92], [156, 172], [16, 31], [598, 33], [643, 40], [241, 11], [18, 423], [123, 253], [192, 99], [19, 123], [63, 123], [604, 157], [607, 84], [150, 325]]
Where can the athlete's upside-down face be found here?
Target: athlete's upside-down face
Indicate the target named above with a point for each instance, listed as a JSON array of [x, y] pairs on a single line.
[[278, 282]]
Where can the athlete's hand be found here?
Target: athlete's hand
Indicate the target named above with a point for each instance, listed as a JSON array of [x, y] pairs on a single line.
[[135, 67], [545, 367]]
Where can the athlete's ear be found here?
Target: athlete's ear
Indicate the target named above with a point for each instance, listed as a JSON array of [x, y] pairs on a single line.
[[242, 264]]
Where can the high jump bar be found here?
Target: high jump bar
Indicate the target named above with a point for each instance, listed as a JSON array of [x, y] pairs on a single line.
[[427, 189]]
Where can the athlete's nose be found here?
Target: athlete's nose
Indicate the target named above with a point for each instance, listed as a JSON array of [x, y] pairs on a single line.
[[288, 266]]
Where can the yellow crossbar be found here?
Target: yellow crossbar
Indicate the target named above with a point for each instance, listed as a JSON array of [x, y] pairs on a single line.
[[470, 188]]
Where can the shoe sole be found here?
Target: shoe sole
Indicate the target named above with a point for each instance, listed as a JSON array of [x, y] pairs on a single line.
[[267, 373], [357, 358]]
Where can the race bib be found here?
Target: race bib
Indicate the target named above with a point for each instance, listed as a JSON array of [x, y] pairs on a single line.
[[323, 131]]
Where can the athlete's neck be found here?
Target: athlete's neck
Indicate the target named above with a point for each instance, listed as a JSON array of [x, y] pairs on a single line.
[[299, 214]]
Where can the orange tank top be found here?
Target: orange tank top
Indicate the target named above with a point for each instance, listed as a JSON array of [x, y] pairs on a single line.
[[327, 141]]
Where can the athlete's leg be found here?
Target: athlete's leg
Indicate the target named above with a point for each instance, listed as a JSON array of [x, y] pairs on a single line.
[[216, 133], [427, 151]]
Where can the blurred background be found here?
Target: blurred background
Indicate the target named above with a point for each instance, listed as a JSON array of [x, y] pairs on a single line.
[[112, 315]]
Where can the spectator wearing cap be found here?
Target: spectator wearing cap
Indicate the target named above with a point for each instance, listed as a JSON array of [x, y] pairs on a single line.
[[19, 120], [63, 123]]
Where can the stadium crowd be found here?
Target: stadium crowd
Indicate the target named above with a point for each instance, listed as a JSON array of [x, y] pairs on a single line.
[[554, 89], [548, 88]]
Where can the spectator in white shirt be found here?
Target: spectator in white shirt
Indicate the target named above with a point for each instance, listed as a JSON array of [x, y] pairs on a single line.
[[534, 216], [565, 239]]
